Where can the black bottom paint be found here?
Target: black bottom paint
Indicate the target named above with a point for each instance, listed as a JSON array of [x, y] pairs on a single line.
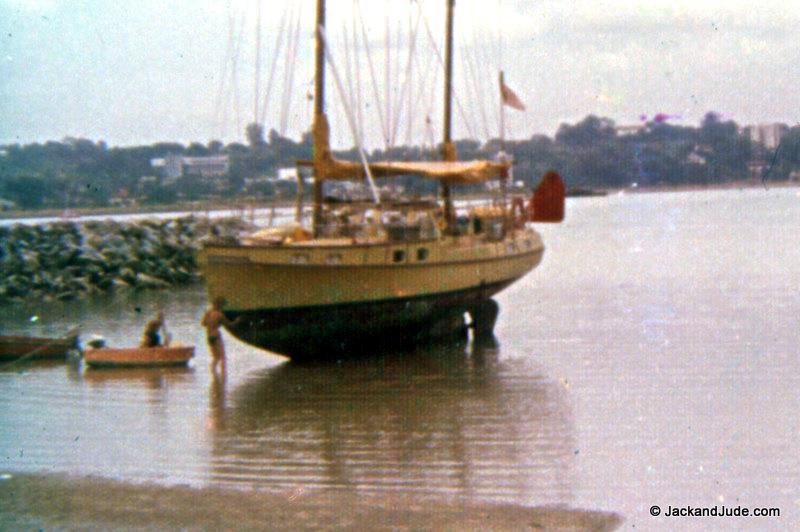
[[341, 331]]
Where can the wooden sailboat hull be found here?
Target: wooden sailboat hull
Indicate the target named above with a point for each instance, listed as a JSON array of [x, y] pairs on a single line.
[[367, 300], [353, 329]]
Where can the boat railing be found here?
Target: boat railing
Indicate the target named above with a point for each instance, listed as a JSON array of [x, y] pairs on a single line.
[[380, 231]]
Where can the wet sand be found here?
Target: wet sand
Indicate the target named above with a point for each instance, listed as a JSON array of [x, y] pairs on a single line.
[[61, 502]]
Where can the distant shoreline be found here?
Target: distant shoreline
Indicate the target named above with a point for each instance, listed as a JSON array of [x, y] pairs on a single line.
[[731, 185], [198, 208], [246, 205]]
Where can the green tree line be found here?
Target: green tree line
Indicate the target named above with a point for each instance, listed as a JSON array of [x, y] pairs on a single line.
[[77, 172]]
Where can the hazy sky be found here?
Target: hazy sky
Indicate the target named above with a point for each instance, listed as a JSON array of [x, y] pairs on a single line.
[[148, 71]]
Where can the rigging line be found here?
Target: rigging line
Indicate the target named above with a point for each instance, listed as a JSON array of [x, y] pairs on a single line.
[[405, 88], [439, 57], [359, 93], [349, 115], [418, 76], [498, 101], [471, 84], [374, 78], [256, 88], [432, 96], [287, 72], [387, 75], [291, 66], [431, 102], [348, 72], [219, 107], [397, 101], [235, 76], [500, 42], [479, 84], [420, 94], [409, 93], [483, 58], [276, 51], [471, 90]]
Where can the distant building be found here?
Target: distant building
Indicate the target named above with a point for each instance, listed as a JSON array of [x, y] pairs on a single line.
[[625, 131], [212, 165], [696, 158], [768, 135], [174, 166], [287, 174], [170, 166]]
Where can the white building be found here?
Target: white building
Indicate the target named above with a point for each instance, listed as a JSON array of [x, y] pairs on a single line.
[[177, 165], [769, 135]]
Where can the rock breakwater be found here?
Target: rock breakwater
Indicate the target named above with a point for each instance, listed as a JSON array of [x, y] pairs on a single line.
[[67, 260]]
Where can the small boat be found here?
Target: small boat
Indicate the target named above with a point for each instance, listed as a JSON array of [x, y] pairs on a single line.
[[32, 347], [139, 356]]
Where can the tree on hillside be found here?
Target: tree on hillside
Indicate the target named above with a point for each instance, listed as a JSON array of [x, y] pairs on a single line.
[[729, 151], [591, 131], [196, 149], [25, 192], [255, 135], [215, 147]]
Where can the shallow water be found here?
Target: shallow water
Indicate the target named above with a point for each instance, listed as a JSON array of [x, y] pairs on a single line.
[[651, 359]]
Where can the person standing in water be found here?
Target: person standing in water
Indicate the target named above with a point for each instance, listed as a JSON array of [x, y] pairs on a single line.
[[212, 320]]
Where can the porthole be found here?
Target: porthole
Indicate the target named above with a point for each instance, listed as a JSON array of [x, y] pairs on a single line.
[[299, 258], [422, 253], [398, 255]]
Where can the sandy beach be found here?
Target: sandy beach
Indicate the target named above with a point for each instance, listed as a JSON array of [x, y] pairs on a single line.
[[60, 502]]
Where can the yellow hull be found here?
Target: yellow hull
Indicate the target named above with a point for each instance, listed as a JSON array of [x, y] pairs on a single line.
[[330, 273], [309, 297]]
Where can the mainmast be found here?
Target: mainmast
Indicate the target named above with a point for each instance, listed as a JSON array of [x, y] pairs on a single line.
[[320, 126], [448, 149]]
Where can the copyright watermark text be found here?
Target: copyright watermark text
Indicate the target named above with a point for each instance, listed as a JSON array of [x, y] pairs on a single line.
[[714, 511]]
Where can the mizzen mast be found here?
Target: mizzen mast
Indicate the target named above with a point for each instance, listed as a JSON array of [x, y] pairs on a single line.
[[448, 148], [321, 129]]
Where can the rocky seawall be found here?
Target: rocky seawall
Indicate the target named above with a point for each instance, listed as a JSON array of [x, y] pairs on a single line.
[[67, 260]]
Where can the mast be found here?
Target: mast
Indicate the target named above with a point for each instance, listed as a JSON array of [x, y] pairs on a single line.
[[502, 114], [502, 154], [320, 126], [448, 149], [257, 89]]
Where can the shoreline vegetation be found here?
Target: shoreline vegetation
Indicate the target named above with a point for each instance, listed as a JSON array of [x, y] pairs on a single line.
[[203, 208], [68, 260], [197, 208], [54, 501], [594, 153]]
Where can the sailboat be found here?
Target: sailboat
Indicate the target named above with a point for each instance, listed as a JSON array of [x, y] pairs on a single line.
[[384, 274]]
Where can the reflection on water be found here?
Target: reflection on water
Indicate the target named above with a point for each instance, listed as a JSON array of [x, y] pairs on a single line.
[[448, 421], [451, 421], [149, 378]]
